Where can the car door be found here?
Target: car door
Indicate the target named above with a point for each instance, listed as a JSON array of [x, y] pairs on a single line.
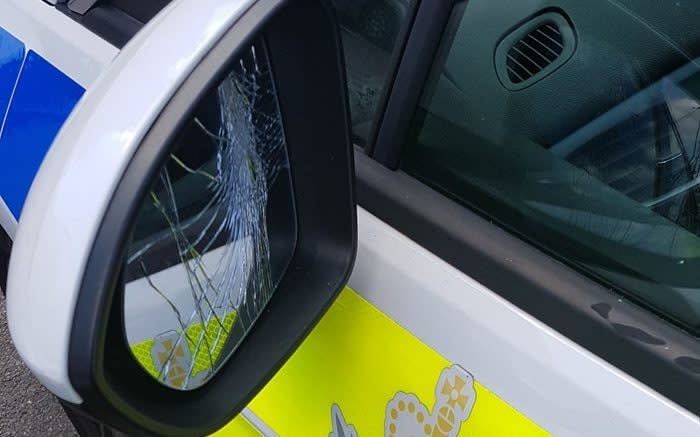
[[179, 206], [526, 227]]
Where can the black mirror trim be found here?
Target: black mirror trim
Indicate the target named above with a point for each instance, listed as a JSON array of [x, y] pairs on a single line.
[[305, 53]]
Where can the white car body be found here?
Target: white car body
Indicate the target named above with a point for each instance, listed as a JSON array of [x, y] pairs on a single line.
[[553, 381]]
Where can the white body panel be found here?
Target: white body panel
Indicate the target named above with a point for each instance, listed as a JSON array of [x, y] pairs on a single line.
[[559, 385], [562, 387], [79, 174]]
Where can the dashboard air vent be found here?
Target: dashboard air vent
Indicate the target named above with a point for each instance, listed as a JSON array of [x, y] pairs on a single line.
[[534, 53], [534, 50]]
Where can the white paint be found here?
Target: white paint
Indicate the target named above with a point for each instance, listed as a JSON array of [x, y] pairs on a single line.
[[256, 422], [63, 42], [559, 385], [69, 196]]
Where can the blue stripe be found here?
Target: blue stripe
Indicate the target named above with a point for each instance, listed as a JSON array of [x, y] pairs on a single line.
[[42, 100], [11, 57]]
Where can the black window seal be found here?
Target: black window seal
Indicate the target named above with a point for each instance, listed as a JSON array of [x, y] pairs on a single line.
[[629, 337], [402, 96], [396, 56]]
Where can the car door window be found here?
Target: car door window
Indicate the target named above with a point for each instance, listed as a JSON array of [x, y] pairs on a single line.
[[370, 31], [577, 128]]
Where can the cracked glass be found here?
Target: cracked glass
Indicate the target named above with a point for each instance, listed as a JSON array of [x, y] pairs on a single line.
[[199, 267]]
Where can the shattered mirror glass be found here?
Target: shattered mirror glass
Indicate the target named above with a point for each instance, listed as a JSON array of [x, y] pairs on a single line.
[[200, 266]]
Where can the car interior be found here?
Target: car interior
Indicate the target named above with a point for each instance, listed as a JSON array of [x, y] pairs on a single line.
[[575, 125]]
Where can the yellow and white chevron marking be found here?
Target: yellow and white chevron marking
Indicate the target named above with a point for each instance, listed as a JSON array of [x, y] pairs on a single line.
[[206, 344], [361, 366]]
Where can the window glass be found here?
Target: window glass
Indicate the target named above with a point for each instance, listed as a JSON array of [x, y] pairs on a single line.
[[369, 32], [200, 267], [576, 125]]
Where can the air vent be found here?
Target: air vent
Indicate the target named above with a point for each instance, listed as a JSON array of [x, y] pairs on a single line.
[[534, 53], [534, 50]]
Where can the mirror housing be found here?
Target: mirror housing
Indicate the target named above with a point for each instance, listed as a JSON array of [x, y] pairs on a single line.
[[66, 265]]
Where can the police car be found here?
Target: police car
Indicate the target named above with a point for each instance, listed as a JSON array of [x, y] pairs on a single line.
[[355, 217]]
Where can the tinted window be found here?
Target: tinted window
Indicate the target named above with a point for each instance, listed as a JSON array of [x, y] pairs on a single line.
[[576, 125], [369, 31]]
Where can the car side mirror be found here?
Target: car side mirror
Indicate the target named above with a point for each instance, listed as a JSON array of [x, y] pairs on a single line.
[[193, 220]]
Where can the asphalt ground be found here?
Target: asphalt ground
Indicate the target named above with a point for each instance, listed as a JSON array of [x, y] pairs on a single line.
[[26, 407]]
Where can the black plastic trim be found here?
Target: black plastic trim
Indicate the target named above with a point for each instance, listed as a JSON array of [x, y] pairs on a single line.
[[116, 21], [395, 62], [646, 347], [303, 44], [108, 22], [87, 426], [404, 94], [139, 9], [5, 251]]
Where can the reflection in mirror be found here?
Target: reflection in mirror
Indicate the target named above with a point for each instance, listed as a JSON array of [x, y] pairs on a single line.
[[199, 268]]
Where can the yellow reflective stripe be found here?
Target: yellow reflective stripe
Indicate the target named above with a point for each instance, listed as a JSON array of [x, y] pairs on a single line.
[[142, 352], [360, 359], [214, 336]]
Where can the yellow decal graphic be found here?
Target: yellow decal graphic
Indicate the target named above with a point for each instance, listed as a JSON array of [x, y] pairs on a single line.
[[455, 397], [173, 357], [360, 360]]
